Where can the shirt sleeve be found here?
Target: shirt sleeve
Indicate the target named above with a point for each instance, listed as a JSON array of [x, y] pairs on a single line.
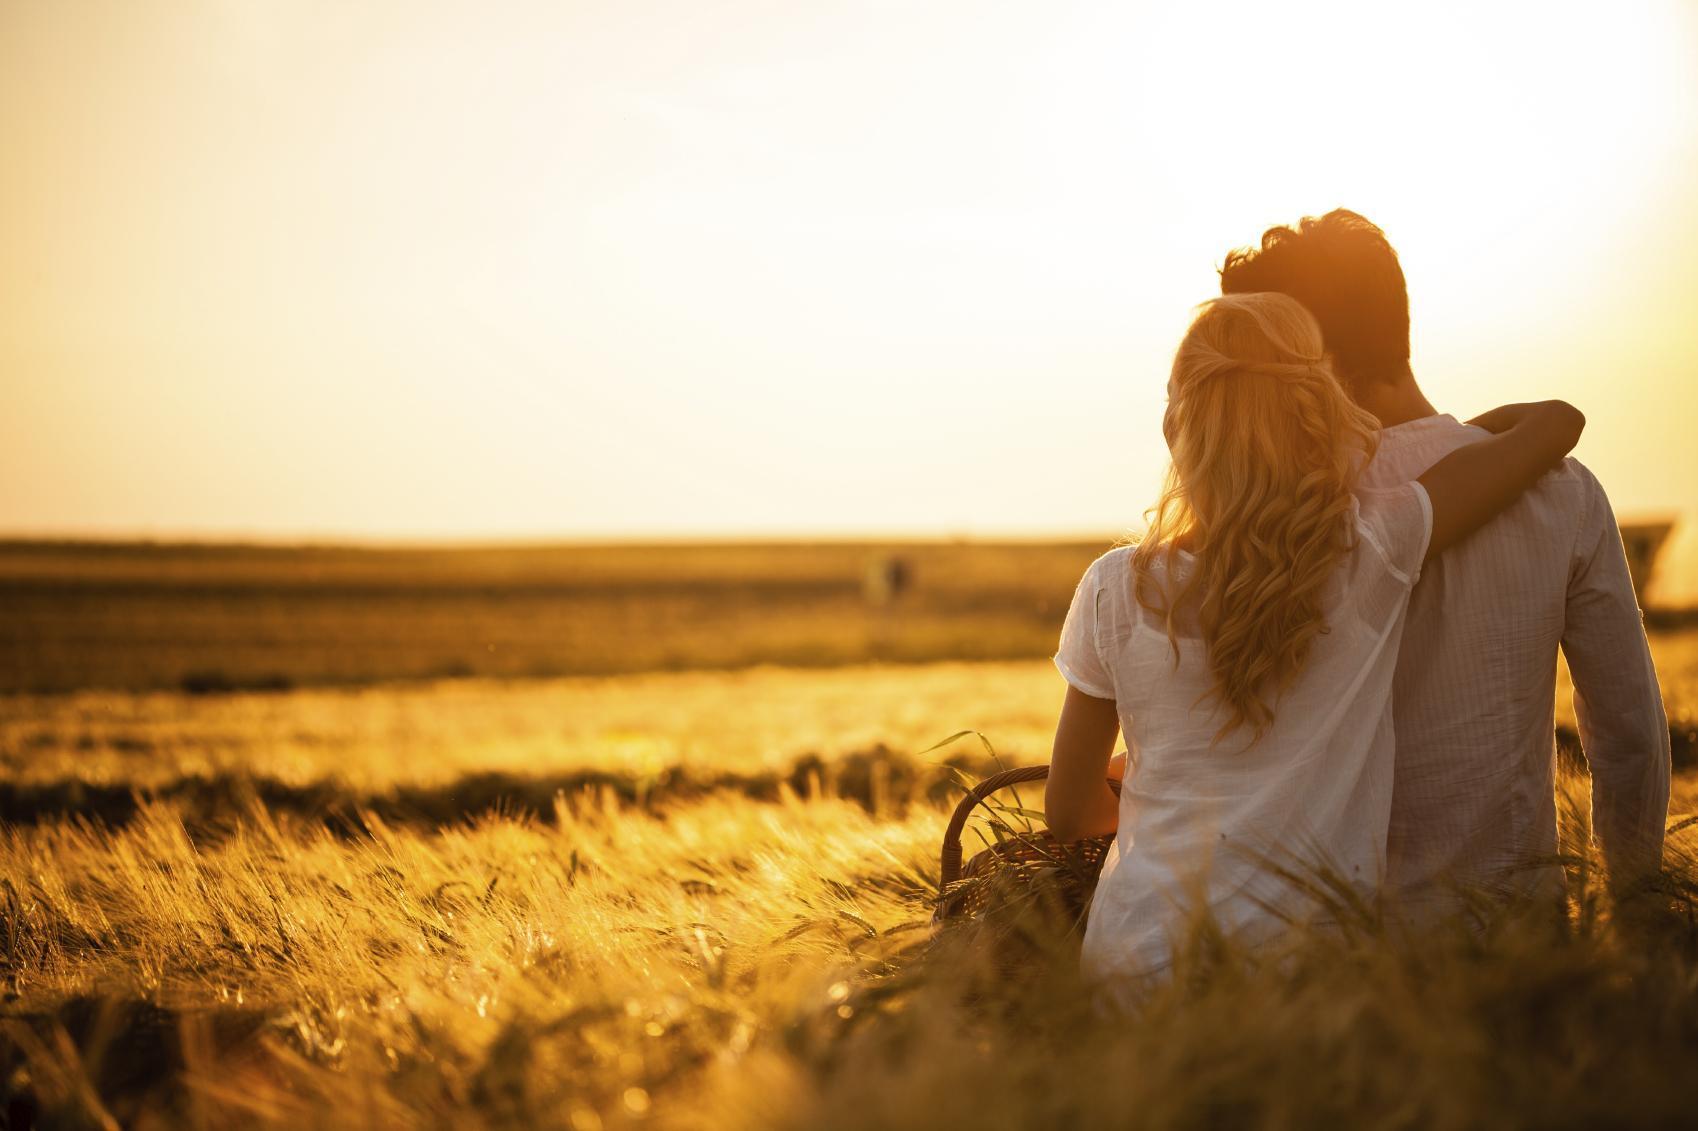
[[1398, 524], [1077, 658], [1617, 702]]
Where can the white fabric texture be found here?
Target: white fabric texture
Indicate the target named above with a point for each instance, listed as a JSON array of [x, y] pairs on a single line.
[[1475, 692], [1196, 817]]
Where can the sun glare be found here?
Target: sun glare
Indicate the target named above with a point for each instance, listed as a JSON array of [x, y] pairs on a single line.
[[1474, 133], [635, 288]]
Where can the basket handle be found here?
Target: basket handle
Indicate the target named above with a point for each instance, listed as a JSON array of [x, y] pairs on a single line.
[[950, 864]]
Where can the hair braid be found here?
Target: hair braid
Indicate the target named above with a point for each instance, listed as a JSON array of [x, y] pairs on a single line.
[[1267, 448]]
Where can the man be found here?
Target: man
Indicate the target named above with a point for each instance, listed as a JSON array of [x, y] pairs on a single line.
[[1473, 802]]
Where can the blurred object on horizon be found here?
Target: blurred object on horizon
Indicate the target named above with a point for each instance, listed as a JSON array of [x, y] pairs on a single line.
[[1643, 541], [887, 579]]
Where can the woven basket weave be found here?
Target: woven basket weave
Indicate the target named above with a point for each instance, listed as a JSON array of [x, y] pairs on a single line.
[[1023, 863]]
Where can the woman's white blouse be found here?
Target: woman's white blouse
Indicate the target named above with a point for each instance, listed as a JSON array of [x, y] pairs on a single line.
[[1196, 818]]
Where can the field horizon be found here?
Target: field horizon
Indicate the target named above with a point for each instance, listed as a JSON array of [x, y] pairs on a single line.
[[220, 617]]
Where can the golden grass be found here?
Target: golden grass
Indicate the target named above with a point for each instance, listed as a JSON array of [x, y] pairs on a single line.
[[733, 964], [629, 950], [742, 958]]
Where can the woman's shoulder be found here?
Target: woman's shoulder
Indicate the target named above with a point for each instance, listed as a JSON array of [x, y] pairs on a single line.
[[1112, 577], [1111, 567], [1104, 562], [1116, 558], [1395, 523]]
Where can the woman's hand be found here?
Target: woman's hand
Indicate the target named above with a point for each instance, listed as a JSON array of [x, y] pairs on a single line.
[[1504, 417], [1551, 415]]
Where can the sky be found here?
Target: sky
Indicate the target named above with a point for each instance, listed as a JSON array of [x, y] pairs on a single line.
[[659, 268]]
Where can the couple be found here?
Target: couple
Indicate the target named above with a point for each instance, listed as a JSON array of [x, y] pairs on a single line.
[[1336, 645]]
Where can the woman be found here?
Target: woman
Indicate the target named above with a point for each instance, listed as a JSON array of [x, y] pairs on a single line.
[[1245, 646]]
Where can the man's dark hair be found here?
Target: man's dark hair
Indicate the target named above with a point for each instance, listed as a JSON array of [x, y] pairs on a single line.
[[1343, 269]]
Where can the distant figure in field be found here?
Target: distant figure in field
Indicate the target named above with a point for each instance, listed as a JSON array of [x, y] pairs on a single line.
[[887, 579], [1246, 645], [1336, 645]]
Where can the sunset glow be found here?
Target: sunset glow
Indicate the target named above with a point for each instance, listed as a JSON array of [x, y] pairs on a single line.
[[656, 269]]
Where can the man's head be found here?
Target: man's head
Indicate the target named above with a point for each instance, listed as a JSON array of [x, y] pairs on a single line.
[[1342, 268]]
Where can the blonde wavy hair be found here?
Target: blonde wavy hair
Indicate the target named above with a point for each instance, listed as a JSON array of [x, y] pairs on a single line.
[[1267, 448]]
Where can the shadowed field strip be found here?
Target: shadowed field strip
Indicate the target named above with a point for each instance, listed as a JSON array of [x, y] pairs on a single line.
[[879, 780]]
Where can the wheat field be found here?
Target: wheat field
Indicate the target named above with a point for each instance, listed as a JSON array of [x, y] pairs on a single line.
[[702, 899]]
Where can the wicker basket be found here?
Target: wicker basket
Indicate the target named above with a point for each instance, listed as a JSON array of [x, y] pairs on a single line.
[[1023, 863]]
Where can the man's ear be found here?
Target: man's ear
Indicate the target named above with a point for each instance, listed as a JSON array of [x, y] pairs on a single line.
[[1366, 391], [1371, 393], [1348, 380]]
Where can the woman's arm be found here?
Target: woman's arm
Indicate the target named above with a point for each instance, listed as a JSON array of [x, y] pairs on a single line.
[[1472, 484], [1077, 799]]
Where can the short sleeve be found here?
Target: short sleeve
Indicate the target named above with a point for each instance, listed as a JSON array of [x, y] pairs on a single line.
[[1077, 658], [1398, 523]]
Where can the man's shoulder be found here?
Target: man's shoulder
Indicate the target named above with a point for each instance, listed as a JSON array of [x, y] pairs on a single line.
[[1561, 503], [1571, 482], [1555, 512], [1577, 475], [1571, 487]]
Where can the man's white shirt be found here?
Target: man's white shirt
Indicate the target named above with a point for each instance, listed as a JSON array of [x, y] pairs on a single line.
[[1474, 694]]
